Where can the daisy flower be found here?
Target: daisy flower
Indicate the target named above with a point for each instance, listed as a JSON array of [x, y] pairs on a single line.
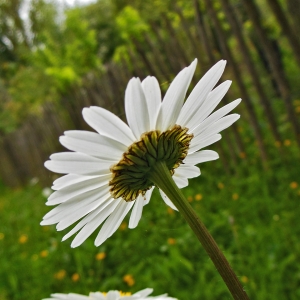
[[112, 170], [111, 295]]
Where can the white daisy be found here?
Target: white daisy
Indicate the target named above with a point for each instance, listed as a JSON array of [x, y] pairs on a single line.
[[109, 172], [111, 295]]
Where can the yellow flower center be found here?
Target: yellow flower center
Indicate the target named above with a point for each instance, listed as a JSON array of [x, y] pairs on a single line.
[[131, 173], [122, 294]]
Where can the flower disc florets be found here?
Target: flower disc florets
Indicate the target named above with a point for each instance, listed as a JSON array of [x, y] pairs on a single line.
[[131, 173]]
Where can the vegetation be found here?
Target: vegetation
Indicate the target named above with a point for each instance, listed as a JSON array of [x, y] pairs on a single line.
[[58, 61], [253, 219]]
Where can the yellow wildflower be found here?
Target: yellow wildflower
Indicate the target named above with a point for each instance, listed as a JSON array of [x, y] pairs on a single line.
[[100, 256]]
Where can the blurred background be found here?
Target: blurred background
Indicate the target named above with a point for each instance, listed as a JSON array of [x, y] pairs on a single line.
[[57, 57]]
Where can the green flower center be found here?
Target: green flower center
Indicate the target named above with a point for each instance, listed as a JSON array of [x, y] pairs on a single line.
[[130, 176]]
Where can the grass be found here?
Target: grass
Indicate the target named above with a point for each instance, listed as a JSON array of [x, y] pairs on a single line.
[[253, 215]]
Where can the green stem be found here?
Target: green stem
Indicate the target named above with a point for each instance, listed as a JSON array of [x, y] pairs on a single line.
[[162, 178]]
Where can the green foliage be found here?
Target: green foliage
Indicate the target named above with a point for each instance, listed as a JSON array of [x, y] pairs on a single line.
[[101, 17], [60, 55], [43, 21], [131, 28], [72, 55], [121, 53], [269, 20], [14, 42], [29, 89], [130, 24], [252, 216]]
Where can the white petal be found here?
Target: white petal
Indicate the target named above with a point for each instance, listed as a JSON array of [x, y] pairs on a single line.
[[71, 179], [98, 216], [218, 126], [136, 213], [188, 171], [174, 98], [70, 296], [113, 222], [215, 117], [96, 296], [197, 144], [76, 206], [113, 295], [91, 222], [66, 216], [80, 212], [93, 144], [73, 156], [77, 163], [210, 103], [200, 92], [148, 196], [108, 124], [163, 297], [167, 200], [77, 189], [152, 93], [181, 181], [79, 200], [201, 156], [143, 293], [136, 108], [81, 182]]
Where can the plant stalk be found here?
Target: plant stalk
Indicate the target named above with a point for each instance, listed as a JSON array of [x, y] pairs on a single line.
[[162, 178]]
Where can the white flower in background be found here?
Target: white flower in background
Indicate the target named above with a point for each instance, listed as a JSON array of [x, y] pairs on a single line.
[[111, 295], [46, 192], [109, 172], [33, 181]]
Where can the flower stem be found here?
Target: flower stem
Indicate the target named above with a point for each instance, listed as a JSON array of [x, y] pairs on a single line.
[[162, 178]]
